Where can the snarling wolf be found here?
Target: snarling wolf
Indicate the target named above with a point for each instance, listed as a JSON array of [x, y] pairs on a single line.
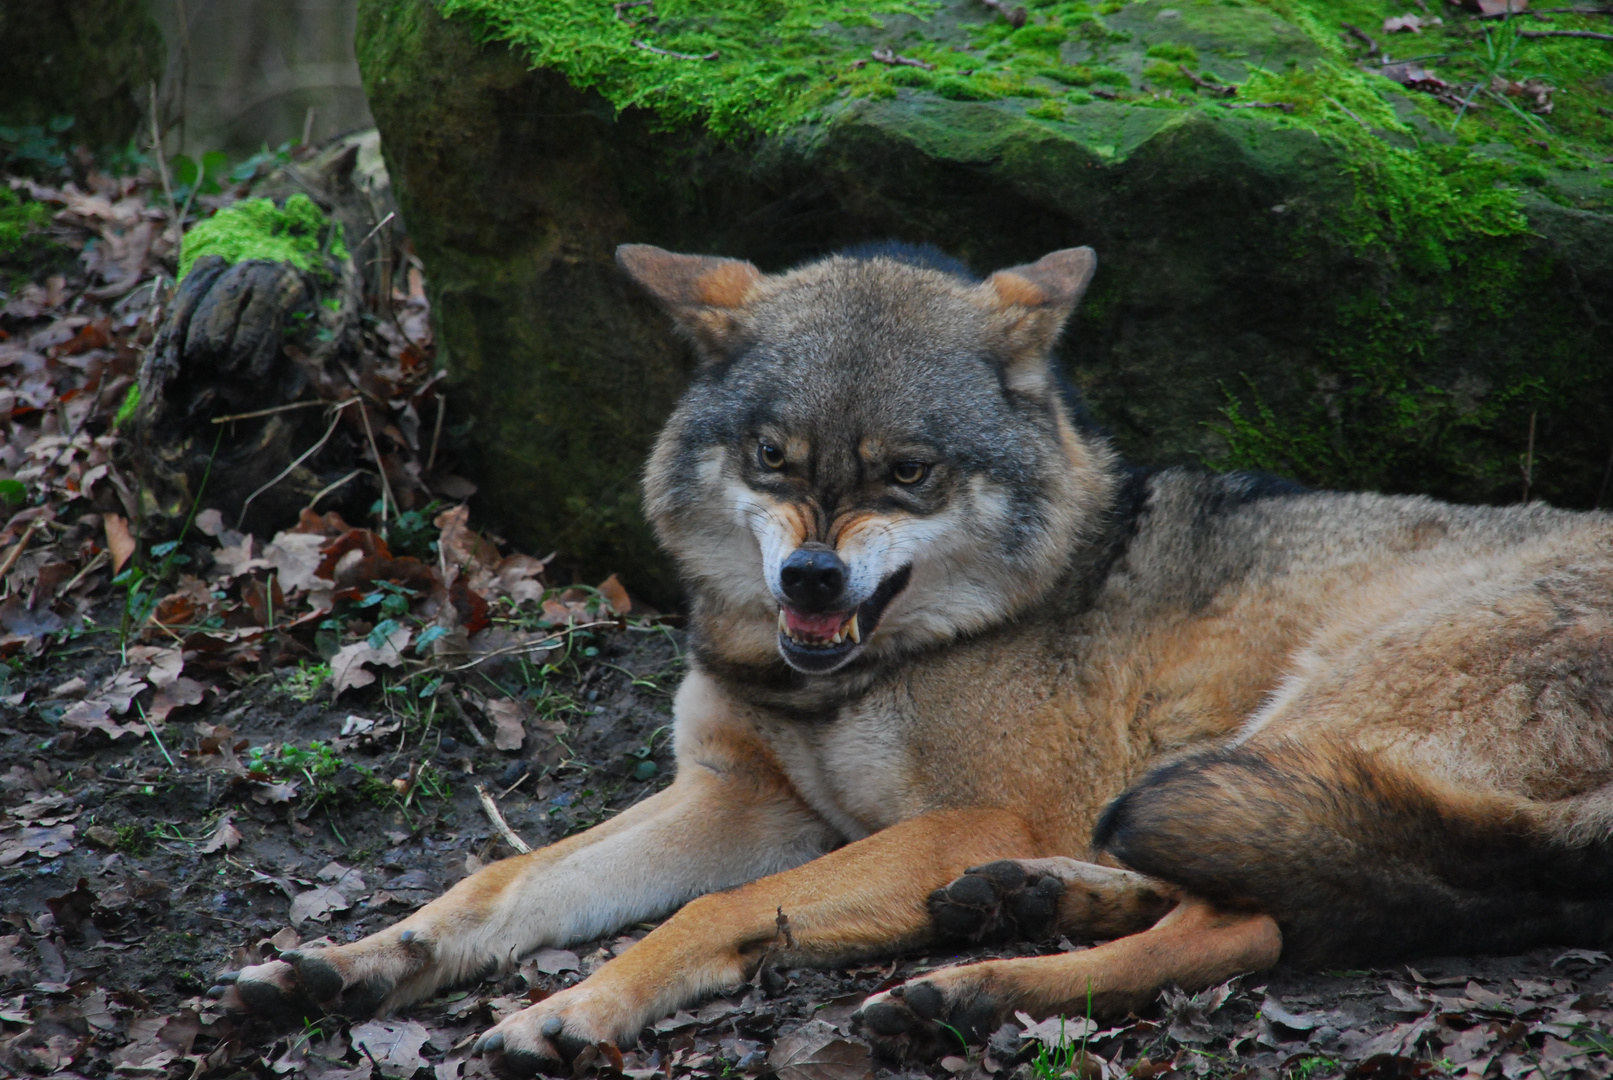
[[960, 674]]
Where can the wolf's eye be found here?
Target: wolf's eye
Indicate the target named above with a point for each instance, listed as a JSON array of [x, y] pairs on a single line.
[[909, 472], [770, 456]]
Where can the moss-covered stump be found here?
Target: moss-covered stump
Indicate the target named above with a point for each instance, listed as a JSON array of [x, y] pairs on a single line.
[[1310, 263]]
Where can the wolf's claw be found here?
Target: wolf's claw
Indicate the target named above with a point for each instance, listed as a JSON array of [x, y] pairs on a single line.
[[1000, 901]]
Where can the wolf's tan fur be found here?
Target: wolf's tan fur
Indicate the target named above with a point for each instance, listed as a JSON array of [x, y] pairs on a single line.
[[1264, 678]]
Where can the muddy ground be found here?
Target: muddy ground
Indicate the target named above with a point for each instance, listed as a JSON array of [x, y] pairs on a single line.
[[114, 939]]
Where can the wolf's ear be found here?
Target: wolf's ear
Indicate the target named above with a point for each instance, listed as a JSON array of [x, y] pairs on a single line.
[[702, 293], [1034, 300]]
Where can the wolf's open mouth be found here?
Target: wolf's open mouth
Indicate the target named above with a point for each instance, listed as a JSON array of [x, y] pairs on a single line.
[[818, 642]]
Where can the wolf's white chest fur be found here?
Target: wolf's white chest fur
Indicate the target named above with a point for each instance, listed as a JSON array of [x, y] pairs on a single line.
[[855, 770]]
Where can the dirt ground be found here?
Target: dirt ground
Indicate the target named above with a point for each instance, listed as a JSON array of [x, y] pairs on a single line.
[[111, 944]]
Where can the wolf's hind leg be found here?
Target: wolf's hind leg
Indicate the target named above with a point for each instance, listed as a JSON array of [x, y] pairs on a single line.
[[1194, 946], [1032, 899]]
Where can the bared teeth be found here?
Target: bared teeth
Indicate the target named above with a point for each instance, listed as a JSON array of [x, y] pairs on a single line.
[[849, 629]]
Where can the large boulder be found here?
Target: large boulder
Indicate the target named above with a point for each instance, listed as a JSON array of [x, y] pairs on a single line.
[[1311, 274]]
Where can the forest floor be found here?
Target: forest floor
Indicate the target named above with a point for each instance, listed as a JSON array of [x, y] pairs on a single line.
[[217, 748]]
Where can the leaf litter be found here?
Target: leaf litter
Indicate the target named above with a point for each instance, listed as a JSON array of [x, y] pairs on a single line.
[[181, 792]]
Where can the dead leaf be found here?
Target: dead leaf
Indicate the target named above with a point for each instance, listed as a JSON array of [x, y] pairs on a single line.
[[119, 541], [1496, 7], [395, 1045], [183, 691], [225, 836], [347, 666], [1416, 24], [344, 878], [816, 1051], [615, 595], [297, 557], [48, 842], [10, 962], [509, 723], [554, 961], [317, 904]]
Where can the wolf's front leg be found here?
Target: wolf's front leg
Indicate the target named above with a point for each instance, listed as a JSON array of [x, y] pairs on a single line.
[[866, 899], [730, 817]]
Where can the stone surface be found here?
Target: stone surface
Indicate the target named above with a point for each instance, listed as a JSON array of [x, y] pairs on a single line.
[[1345, 292]]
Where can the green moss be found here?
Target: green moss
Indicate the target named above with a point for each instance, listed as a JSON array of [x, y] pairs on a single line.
[[20, 219], [1179, 54], [299, 234]]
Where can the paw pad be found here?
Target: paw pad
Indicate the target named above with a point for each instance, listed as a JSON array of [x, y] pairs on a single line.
[[997, 902]]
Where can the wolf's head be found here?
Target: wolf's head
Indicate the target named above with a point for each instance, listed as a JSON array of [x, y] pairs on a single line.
[[874, 455]]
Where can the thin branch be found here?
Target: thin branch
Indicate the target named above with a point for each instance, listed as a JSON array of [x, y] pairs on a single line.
[[1283, 105], [1366, 38], [436, 431], [1205, 84], [888, 56], [378, 227], [328, 488], [1540, 13], [490, 808], [380, 466], [269, 412], [1592, 34], [336, 417], [647, 47], [16, 552]]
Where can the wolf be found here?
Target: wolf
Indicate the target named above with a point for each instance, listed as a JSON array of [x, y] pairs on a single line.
[[958, 673]]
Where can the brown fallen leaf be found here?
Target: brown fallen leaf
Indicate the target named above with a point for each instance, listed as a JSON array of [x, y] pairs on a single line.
[[394, 1045], [317, 904], [509, 723], [182, 691], [615, 595], [816, 1051], [48, 842], [347, 667], [225, 836], [119, 541]]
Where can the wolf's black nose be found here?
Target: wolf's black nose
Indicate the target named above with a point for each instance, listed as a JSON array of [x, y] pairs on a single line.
[[813, 579]]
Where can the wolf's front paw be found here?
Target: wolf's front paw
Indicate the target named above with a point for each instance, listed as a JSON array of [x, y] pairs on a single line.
[[1001, 901], [304, 982], [923, 1019], [548, 1036]]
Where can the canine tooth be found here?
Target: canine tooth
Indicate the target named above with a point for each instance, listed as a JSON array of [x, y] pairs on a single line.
[[837, 639], [783, 623], [853, 631]]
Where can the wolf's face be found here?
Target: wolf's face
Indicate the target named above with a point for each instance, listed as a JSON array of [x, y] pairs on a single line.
[[874, 455]]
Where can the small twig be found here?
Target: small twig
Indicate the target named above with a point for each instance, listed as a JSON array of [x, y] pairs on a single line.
[[647, 47], [524, 778], [1205, 84], [464, 718], [1107, 95], [328, 488], [335, 419], [490, 808], [436, 431], [18, 548], [1592, 34], [888, 56], [1283, 105], [162, 161], [89, 568], [1365, 38], [1540, 13], [380, 466], [1348, 112], [1016, 16], [378, 227], [269, 412], [307, 125], [1529, 458]]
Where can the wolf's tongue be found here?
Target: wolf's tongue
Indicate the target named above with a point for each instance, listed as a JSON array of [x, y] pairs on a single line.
[[819, 626]]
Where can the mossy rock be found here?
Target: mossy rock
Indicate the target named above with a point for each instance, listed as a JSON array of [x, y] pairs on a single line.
[[1335, 284]]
